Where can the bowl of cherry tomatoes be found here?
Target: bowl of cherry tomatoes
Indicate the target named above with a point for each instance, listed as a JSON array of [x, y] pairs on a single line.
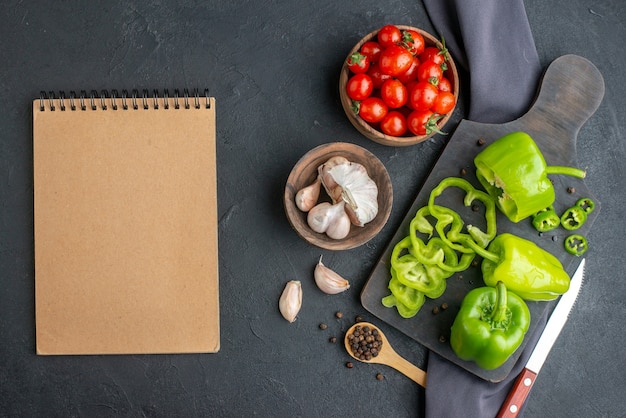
[[399, 85]]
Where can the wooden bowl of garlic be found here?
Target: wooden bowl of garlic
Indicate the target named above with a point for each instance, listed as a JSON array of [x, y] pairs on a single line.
[[338, 196]]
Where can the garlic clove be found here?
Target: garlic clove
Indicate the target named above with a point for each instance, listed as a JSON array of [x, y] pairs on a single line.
[[291, 300], [329, 281], [330, 185], [331, 219], [339, 228], [307, 197]]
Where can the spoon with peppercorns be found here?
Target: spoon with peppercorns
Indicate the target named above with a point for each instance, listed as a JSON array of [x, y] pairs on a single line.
[[366, 343]]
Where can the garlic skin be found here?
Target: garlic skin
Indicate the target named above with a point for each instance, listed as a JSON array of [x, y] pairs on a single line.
[[330, 185], [350, 182], [306, 198], [291, 300], [329, 281], [331, 219]]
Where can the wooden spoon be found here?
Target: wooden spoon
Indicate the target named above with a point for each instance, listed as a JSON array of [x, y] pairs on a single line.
[[388, 356]]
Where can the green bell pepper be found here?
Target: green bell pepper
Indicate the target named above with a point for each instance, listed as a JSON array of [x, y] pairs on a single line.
[[525, 268], [513, 171], [490, 326]]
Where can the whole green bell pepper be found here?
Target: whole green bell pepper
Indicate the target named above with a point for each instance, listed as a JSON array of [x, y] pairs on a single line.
[[513, 171], [525, 268], [490, 326]]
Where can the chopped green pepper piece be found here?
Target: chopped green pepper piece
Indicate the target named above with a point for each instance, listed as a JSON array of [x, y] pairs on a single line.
[[390, 301], [411, 298], [587, 204], [545, 221], [526, 269], [475, 236], [576, 244], [573, 218], [514, 172], [442, 249], [412, 272], [490, 326]]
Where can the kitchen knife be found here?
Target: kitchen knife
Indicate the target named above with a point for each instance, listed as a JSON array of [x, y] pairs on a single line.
[[526, 379]]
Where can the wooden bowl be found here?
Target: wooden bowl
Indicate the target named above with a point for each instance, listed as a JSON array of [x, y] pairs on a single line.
[[372, 132], [305, 172]]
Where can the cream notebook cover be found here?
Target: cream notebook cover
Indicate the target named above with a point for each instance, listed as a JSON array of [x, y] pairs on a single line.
[[125, 221]]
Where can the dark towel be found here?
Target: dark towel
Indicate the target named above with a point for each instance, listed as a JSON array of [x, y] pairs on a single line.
[[491, 40]]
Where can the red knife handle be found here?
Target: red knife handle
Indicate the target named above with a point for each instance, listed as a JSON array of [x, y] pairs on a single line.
[[518, 394]]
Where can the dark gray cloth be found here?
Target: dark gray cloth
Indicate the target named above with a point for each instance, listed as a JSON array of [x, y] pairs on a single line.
[[492, 42]]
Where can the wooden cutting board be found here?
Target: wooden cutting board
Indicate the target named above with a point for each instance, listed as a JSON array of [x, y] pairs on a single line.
[[571, 91]]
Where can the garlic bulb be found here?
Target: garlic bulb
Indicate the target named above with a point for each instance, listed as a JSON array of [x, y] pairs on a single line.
[[331, 219], [307, 197], [291, 300], [328, 281], [349, 181]]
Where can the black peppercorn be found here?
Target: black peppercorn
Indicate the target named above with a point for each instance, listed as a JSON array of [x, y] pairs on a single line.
[[365, 342]]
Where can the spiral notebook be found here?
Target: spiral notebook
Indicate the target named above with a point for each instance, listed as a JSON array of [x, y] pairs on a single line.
[[125, 223]]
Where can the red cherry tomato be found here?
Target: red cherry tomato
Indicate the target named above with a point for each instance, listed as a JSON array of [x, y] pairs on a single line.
[[429, 71], [373, 109], [444, 103], [394, 93], [410, 74], [389, 35], [421, 122], [444, 84], [434, 54], [395, 60], [359, 86], [371, 50], [358, 63], [377, 76], [394, 124], [423, 95], [413, 41]]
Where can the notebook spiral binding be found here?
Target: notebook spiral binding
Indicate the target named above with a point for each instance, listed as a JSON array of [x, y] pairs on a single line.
[[111, 99]]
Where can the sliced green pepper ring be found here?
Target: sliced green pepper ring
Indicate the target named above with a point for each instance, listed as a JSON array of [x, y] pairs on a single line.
[[576, 244], [586, 204], [545, 221], [573, 218]]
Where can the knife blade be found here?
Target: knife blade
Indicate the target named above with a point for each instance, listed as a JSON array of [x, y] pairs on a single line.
[[524, 382]]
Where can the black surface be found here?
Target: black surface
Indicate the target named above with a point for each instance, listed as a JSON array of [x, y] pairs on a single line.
[[273, 68]]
